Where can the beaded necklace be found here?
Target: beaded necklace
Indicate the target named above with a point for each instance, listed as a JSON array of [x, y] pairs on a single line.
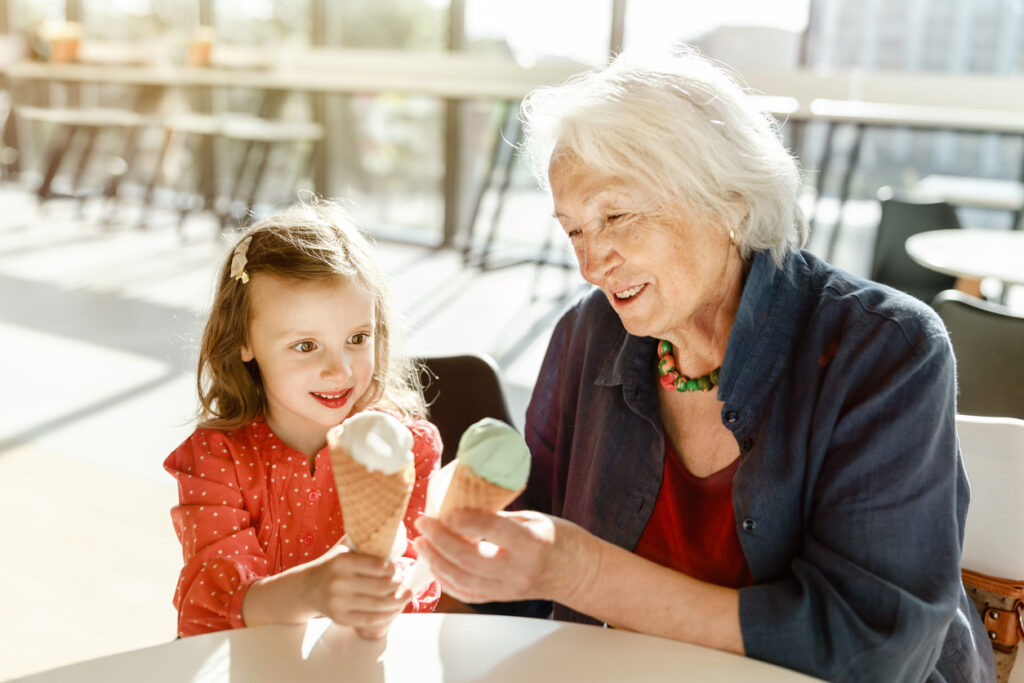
[[671, 379]]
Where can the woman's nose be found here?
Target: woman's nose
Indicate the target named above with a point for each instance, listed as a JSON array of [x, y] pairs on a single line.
[[596, 256]]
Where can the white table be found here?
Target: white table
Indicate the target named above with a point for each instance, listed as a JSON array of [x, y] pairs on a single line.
[[424, 648], [973, 254], [985, 193]]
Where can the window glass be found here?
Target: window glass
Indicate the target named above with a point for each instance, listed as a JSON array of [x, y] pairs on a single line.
[[263, 22], [397, 24], [25, 16], [535, 30], [738, 32], [937, 36], [136, 20]]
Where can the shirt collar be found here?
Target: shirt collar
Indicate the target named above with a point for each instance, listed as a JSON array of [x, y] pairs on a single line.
[[764, 331]]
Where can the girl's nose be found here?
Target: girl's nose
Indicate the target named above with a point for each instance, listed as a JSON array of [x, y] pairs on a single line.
[[337, 365]]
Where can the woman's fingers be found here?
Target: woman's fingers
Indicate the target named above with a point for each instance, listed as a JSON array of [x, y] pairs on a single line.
[[455, 579], [510, 565], [451, 546], [505, 529]]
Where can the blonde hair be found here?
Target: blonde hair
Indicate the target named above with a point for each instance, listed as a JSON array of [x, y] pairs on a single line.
[[310, 241], [683, 128]]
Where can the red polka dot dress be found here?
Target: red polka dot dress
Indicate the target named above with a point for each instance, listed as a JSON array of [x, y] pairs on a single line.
[[249, 507]]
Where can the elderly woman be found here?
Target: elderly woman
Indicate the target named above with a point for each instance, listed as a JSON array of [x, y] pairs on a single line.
[[735, 444]]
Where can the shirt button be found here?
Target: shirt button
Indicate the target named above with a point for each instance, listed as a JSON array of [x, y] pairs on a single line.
[[749, 524], [314, 496], [308, 539], [748, 443], [732, 416]]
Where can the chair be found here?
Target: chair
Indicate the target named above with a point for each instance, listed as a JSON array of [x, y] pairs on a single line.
[[461, 390], [890, 264], [69, 124], [993, 453], [258, 137], [988, 341]]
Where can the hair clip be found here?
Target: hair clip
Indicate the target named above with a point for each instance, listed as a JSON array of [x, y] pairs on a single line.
[[238, 261]]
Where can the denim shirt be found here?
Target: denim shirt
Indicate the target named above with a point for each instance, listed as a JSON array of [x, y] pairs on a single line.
[[850, 495]]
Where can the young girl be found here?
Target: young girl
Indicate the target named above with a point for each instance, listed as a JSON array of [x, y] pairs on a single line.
[[296, 342]]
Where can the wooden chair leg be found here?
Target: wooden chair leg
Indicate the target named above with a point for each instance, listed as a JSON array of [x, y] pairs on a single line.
[[236, 184], [261, 169], [156, 176], [499, 205], [54, 157], [84, 158]]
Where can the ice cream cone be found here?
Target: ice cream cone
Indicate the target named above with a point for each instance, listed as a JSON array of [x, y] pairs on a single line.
[[468, 490], [372, 503]]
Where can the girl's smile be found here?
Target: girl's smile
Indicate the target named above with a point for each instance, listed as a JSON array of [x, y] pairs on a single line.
[[334, 400]]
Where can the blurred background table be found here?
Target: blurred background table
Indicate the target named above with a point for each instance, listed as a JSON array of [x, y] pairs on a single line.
[[986, 193], [423, 648], [969, 253]]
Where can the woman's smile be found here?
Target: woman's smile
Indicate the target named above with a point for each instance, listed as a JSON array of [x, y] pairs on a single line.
[[630, 293]]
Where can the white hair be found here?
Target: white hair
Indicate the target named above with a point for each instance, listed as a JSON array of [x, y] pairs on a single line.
[[682, 129]]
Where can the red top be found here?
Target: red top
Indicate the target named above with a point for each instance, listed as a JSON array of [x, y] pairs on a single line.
[[250, 508], [693, 527]]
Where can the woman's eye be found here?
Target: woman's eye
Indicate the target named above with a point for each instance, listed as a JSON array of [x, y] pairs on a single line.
[[304, 346], [612, 218], [573, 234], [358, 339]]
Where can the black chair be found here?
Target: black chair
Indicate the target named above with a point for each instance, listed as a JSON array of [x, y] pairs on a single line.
[[890, 264], [461, 390], [988, 341]]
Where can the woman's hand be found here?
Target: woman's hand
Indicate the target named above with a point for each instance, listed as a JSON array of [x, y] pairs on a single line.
[[355, 590], [525, 555]]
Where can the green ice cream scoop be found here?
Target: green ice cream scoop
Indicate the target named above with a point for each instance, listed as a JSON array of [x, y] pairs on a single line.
[[496, 452]]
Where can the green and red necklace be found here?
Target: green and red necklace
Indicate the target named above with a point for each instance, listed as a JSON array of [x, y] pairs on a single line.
[[671, 379]]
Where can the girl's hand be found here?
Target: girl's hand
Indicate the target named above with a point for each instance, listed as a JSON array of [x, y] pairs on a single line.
[[527, 555], [357, 590]]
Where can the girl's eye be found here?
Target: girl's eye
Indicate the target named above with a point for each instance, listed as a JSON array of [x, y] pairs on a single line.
[[358, 339], [304, 346]]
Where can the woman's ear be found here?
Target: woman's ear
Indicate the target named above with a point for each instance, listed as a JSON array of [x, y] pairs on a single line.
[[247, 354]]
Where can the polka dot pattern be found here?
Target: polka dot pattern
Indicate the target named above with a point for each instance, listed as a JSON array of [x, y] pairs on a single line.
[[251, 507]]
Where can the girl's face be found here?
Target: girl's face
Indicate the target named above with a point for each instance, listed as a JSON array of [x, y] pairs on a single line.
[[313, 342]]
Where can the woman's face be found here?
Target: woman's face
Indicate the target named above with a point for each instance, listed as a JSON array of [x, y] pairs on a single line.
[[661, 270]]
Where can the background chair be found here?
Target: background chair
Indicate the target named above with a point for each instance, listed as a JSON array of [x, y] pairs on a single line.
[[993, 452], [461, 390], [257, 137], [988, 340], [890, 264]]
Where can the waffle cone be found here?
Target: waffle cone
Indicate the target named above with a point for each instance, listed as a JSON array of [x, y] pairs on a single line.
[[372, 503], [468, 490]]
